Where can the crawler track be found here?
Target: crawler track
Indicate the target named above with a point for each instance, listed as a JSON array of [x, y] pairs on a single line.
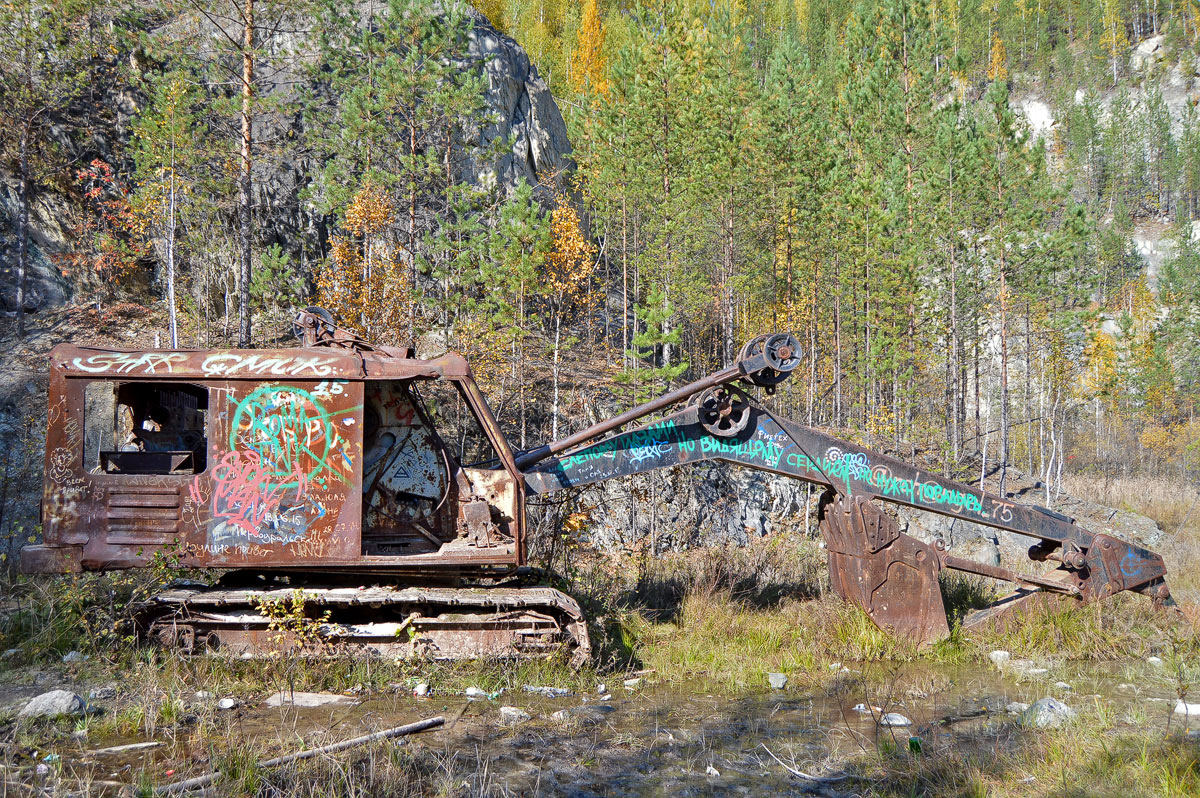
[[436, 622]]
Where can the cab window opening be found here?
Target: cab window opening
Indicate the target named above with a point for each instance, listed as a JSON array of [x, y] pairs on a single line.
[[145, 428]]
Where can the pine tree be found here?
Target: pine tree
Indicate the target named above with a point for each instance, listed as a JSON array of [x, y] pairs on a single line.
[[653, 344]]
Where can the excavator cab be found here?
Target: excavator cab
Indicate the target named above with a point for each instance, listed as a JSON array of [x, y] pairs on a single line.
[[274, 459]]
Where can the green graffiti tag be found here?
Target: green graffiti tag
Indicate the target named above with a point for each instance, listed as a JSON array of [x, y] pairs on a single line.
[[850, 471], [640, 444], [294, 436]]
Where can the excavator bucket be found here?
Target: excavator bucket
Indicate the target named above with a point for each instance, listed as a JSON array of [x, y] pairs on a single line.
[[893, 577]]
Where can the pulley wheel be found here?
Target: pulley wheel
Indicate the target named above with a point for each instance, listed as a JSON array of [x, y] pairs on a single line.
[[724, 412], [326, 322], [782, 352]]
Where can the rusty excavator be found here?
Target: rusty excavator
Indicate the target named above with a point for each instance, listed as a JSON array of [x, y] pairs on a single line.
[[377, 490]]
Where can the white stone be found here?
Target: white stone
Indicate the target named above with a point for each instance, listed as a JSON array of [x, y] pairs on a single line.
[[778, 681], [74, 656], [1000, 657], [203, 695], [601, 689], [226, 703], [894, 719], [53, 704], [1016, 707], [1184, 708], [302, 699], [633, 683], [514, 715], [1155, 661], [1062, 686], [712, 771], [421, 690]]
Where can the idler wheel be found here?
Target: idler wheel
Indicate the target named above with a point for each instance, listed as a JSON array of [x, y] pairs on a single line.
[[325, 322], [724, 412]]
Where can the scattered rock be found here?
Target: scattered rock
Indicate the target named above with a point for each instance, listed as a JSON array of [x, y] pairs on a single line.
[[204, 695], [863, 708], [712, 771], [102, 694], [1066, 688], [1190, 710], [601, 689], [301, 699], [74, 656], [54, 704], [1146, 52], [226, 703], [421, 690], [1047, 713], [1016, 707], [633, 683], [549, 692], [778, 681], [1000, 658], [1155, 661], [894, 719], [514, 715]]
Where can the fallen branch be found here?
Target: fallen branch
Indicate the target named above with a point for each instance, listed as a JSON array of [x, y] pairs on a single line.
[[400, 731], [800, 773]]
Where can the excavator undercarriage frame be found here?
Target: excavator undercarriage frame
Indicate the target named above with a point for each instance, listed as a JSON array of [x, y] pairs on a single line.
[[326, 474]]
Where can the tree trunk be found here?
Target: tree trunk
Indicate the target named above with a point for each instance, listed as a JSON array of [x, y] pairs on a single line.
[[23, 232], [1003, 379], [244, 178], [172, 324], [554, 400]]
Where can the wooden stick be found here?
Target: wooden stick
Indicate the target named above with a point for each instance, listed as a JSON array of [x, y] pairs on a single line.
[[400, 731]]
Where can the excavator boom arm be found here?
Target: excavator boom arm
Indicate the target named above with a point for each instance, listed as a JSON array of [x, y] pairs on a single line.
[[722, 423]]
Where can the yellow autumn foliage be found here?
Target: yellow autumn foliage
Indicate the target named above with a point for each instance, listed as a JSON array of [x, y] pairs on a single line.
[[365, 280]]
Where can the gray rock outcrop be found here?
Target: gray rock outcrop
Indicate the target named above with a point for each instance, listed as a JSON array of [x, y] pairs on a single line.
[[527, 115], [53, 704]]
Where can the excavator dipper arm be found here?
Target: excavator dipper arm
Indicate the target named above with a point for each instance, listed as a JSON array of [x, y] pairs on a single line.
[[891, 575]]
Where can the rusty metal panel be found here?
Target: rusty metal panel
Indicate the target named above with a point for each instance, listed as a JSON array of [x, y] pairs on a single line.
[[891, 576], [284, 475]]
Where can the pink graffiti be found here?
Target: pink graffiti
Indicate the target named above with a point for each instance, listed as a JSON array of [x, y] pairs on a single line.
[[245, 494]]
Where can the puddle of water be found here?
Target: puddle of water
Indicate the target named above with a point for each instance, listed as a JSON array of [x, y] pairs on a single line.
[[663, 739]]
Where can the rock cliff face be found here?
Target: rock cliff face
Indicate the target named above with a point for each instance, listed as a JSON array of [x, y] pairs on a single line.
[[528, 116], [714, 504], [526, 119]]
